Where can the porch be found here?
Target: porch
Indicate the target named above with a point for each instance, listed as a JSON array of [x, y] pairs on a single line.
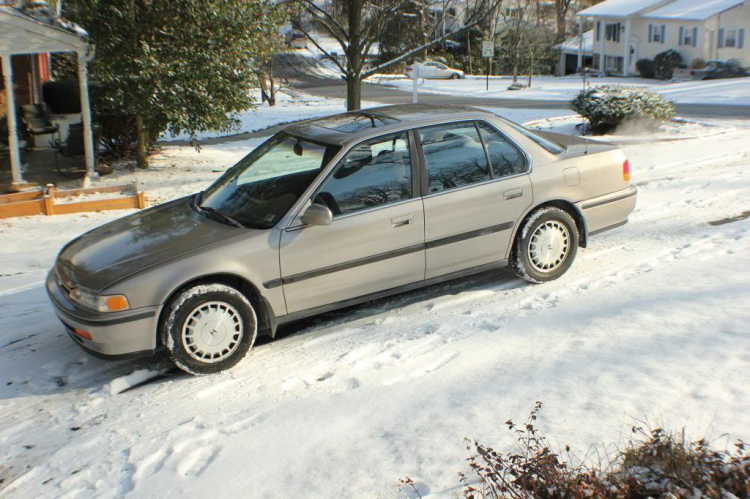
[[27, 30]]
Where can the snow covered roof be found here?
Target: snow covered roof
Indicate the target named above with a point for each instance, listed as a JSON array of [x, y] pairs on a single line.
[[621, 8], [571, 44], [693, 10], [40, 12], [28, 27]]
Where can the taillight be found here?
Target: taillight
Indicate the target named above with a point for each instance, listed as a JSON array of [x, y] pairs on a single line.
[[626, 171]]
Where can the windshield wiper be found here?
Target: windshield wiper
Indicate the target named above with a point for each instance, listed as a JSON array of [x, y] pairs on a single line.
[[219, 216]]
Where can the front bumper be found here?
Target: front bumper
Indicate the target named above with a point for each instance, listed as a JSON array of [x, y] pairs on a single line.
[[115, 335]]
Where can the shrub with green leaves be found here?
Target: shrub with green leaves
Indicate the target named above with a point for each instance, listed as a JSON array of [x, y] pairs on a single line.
[[608, 106], [646, 68], [666, 63]]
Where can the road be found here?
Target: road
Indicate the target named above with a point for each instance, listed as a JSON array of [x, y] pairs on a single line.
[[300, 73]]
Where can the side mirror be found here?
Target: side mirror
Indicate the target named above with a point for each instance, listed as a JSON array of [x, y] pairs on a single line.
[[317, 214]]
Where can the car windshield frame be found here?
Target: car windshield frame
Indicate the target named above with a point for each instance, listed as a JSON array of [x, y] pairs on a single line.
[[246, 202]]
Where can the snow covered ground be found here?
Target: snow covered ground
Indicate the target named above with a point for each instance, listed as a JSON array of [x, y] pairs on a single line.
[[651, 322], [729, 92]]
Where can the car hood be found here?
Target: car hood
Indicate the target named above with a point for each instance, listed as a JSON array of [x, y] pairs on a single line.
[[137, 242]]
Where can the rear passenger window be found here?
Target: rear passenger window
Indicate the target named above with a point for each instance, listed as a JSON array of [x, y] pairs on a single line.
[[505, 157], [374, 173], [454, 156]]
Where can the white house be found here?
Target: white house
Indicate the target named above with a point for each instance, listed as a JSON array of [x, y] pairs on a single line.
[[629, 30]]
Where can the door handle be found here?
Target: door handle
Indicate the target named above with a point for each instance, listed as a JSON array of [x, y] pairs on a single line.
[[513, 193], [400, 222]]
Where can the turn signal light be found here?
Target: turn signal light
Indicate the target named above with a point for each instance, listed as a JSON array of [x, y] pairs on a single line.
[[626, 171], [82, 333], [116, 303]]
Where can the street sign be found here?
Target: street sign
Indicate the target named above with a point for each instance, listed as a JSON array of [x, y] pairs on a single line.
[[488, 49]]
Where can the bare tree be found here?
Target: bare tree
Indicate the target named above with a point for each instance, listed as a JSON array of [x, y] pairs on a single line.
[[561, 14], [360, 26]]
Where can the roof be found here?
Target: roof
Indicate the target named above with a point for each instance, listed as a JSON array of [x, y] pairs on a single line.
[[693, 10], [32, 27], [42, 13], [571, 44], [621, 8], [346, 127]]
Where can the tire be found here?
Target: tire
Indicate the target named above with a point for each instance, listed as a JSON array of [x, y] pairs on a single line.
[[455, 76], [557, 231], [209, 328]]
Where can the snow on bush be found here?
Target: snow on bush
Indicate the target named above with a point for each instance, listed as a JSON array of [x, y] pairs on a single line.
[[609, 106], [655, 464], [666, 62]]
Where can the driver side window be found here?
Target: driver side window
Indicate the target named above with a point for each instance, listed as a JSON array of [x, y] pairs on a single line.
[[374, 173]]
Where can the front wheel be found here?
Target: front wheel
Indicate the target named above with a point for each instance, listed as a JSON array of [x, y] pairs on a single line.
[[455, 76], [546, 245], [209, 328]]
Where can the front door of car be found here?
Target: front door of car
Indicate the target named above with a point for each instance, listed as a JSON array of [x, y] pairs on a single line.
[[476, 188], [376, 239]]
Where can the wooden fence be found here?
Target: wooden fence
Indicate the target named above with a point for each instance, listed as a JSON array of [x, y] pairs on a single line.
[[42, 201]]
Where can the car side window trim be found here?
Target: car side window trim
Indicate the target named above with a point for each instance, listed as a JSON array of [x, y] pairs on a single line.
[[512, 142], [415, 178]]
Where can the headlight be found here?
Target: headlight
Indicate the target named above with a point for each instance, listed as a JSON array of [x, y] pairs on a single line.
[[92, 300]]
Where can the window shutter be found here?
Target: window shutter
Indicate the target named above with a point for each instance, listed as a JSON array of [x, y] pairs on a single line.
[[650, 33], [722, 32], [663, 33], [598, 30], [682, 35], [618, 27], [695, 37], [741, 43]]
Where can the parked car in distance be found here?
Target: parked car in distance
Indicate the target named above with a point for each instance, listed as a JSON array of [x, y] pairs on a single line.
[[714, 70], [332, 212], [434, 70]]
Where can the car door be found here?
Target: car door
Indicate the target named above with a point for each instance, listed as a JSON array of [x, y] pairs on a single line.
[[427, 70], [376, 239], [476, 186], [441, 71]]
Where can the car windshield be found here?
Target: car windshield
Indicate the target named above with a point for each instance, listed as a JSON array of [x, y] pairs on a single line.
[[259, 190]]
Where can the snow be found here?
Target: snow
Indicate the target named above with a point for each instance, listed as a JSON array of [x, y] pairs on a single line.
[[290, 106], [650, 322], [693, 10], [733, 91], [620, 8], [572, 44]]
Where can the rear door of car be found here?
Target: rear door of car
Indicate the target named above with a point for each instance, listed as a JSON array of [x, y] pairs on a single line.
[[470, 206], [376, 240]]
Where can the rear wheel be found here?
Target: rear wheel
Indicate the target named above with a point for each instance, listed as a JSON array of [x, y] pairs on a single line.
[[210, 328], [546, 245]]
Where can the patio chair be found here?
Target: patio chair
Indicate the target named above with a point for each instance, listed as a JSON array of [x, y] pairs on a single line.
[[73, 146], [36, 120]]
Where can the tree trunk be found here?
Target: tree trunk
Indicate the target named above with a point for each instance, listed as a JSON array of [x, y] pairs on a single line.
[[141, 149], [353, 93], [354, 57], [560, 12]]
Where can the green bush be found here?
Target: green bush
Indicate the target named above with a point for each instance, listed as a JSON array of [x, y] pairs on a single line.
[[646, 68], [666, 63], [609, 106]]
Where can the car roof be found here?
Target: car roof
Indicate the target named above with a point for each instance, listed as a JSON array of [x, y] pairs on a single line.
[[353, 126]]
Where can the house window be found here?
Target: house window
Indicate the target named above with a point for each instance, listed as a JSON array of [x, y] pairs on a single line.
[[613, 63], [513, 12], [688, 36], [657, 33], [612, 32], [730, 38]]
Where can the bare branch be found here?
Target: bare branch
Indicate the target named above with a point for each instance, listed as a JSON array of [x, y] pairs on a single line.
[[325, 52], [316, 11], [472, 22]]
